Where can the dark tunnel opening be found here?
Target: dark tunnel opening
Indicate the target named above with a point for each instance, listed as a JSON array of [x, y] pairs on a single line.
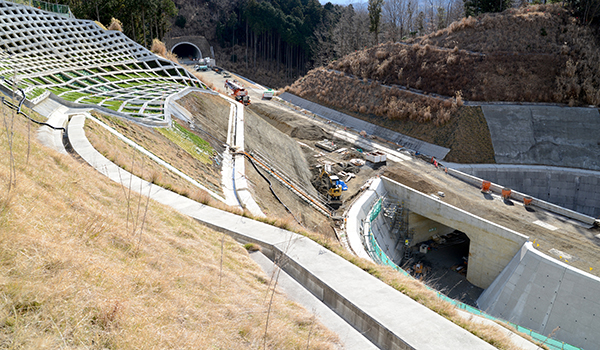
[[186, 51]]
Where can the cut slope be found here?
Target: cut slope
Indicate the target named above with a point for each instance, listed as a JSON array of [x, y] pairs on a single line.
[[534, 54], [79, 271], [462, 129]]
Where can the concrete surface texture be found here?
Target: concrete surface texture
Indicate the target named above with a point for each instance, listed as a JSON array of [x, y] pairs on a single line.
[[371, 129], [85, 64], [492, 246], [575, 189], [350, 337], [546, 135], [541, 293], [385, 316]]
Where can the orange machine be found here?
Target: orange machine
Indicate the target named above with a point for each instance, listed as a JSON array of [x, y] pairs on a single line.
[[240, 94]]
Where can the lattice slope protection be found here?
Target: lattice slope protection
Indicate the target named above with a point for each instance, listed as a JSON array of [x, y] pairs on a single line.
[[80, 62]]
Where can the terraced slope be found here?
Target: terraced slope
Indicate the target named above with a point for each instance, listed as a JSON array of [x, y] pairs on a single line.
[[80, 62]]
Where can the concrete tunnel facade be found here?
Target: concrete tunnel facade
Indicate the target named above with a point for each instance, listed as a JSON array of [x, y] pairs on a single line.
[[187, 50], [492, 246]]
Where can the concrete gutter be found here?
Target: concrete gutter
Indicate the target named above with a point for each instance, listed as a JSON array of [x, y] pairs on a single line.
[[356, 215], [50, 137], [235, 142], [385, 316]]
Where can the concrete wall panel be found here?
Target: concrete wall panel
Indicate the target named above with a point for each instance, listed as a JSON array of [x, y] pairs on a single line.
[[492, 246], [550, 135], [544, 294]]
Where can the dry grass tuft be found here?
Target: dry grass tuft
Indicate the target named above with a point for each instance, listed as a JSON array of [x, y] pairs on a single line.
[[115, 24], [159, 48], [73, 276]]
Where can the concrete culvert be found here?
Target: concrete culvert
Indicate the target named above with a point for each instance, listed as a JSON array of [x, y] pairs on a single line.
[[187, 51]]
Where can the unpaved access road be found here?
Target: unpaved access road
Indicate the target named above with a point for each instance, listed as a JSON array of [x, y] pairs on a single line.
[[554, 235]]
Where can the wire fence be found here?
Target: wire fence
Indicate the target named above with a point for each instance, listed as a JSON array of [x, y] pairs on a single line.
[[379, 256], [63, 10]]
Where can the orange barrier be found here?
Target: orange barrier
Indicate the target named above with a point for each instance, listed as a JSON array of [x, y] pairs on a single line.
[[506, 192], [485, 186], [527, 200]]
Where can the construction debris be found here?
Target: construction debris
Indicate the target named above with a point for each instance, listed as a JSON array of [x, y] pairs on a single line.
[[327, 145]]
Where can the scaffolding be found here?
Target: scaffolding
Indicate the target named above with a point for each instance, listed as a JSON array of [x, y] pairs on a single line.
[[397, 212]]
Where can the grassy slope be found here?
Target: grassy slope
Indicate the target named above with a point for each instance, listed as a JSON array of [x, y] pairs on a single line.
[[170, 146], [77, 274]]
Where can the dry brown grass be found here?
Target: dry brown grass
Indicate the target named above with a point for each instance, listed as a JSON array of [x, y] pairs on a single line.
[[115, 24], [533, 54], [360, 96], [159, 48], [73, 277]]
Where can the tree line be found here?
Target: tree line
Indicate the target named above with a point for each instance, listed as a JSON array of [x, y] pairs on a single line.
[[142, 20], [293, 36]]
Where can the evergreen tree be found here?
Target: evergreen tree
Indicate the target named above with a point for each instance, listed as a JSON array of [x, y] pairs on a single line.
[[476, 7], [375, 17]]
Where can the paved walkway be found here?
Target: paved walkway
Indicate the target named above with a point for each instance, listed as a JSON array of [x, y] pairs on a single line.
[[388, 317]]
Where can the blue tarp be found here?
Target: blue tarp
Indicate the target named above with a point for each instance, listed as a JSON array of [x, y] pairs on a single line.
[[344, 186]]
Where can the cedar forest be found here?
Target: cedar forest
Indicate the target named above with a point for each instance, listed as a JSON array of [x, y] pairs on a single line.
[[286, 38]]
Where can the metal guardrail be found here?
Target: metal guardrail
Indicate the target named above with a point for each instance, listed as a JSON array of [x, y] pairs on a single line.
[[377, 254], [63, 10]]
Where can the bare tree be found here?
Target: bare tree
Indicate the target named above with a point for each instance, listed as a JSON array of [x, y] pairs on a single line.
[[394, 16], [351, 32]]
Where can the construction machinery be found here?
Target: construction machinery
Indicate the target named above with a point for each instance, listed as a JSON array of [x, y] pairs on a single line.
[[331, 185], [238, 91]]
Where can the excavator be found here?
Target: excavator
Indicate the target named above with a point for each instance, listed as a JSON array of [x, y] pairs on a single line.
[[240, 94], [331, 185]]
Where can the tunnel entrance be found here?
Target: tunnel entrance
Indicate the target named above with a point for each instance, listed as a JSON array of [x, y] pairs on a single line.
[[428, 250], [442, 262], [187, 52]]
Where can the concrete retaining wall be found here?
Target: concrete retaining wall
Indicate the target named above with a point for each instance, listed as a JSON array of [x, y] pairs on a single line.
[[492, 246], [357, 214], [541, 293], [411, 143], [575, 189], [545, 135]]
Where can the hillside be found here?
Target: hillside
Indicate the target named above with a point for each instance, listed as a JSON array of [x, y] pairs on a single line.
[[531, 54], [79, 272]]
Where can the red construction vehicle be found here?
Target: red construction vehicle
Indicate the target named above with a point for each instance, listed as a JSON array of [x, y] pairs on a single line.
[[240, 94]]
